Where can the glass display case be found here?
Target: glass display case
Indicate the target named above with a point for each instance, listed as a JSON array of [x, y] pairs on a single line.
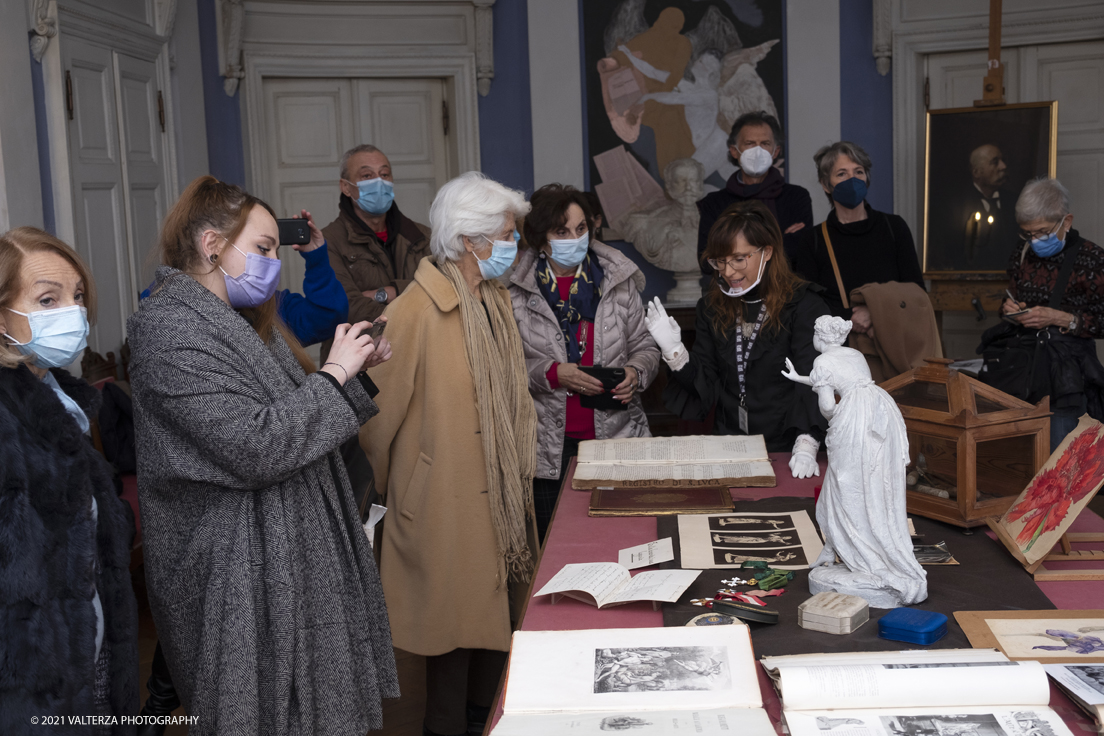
[[972, 448]]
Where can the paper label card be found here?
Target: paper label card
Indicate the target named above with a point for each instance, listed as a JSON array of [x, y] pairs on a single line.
[[643, 555]]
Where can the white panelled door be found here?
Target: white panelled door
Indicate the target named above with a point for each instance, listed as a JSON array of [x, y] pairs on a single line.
[[140, 111], [98, 188], [310, 123], [1073, 74], [404, 118]]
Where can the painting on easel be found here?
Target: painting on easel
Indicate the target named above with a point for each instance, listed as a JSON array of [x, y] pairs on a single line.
[[1043, 513]]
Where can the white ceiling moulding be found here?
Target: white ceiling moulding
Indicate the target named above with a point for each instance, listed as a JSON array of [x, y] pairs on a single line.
[[371, 27], [883, 35]]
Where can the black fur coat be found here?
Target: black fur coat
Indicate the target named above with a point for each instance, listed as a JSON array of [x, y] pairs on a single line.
[[49, 473]]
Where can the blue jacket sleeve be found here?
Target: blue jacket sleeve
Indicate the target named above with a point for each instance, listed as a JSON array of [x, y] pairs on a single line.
[[314, 315]]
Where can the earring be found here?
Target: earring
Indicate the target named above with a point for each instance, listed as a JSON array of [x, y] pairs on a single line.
[[213, 258]]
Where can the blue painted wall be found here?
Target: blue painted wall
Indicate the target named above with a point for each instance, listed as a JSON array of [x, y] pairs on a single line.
[[505, 116], [225, 150], [42, 133], [866, 99]]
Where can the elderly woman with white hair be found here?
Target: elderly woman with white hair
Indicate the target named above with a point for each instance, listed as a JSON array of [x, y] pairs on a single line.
[[454, 453], [1057, 299]]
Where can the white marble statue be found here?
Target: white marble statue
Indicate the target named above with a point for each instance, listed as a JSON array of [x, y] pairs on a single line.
[[861, 510], [668, 237]]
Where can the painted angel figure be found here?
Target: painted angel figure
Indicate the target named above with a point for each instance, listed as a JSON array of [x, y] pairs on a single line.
[[862, 505]]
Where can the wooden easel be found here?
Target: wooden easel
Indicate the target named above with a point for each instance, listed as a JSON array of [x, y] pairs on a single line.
[[1068, 554], [981, 291], [992, 94]]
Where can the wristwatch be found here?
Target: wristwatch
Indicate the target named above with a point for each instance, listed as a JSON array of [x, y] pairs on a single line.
[[1072, 324], [381, 295]]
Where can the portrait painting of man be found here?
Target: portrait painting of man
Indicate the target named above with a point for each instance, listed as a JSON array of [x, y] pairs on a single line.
[[978, 160]]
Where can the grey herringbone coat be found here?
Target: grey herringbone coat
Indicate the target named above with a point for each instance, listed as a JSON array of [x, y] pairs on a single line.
[[262, 585]]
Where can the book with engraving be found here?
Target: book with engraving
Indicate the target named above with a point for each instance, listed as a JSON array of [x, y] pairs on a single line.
[[675, 680], [914, 693], [674, 462], [659, 501]]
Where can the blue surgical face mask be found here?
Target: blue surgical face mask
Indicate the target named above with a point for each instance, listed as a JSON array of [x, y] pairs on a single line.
[[58, 336], [375, 195], [1048, 246], [503, 253], [850, 192], [570, 252]]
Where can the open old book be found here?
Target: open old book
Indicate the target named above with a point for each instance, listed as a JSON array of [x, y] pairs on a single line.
[[610, 584], [674, 462], [1084, 683], [948, 692], [646, 681]]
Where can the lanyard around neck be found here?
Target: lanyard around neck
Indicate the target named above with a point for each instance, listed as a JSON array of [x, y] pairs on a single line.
[[744, 354]]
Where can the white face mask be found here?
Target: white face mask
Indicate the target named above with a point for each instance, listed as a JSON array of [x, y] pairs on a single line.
[[570, 252], [740, 292], [755, 161]]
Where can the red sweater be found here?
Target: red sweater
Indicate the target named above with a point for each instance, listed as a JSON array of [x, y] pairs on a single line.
[[579, 422]]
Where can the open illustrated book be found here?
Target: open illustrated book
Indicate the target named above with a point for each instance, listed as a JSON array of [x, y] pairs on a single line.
[[1084, 683], [673, 462], [942, 692], [647, 681], [610, 584]]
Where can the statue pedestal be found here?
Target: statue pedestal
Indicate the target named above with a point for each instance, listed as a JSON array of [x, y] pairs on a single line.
[[839, 579], [687, 289]]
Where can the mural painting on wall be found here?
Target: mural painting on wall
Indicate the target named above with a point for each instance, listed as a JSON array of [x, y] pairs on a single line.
[[665, 79]]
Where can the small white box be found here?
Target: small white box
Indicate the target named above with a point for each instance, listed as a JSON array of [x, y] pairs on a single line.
[[833, 613]]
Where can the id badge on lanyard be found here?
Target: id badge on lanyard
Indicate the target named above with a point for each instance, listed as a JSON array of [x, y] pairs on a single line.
[[742, 357]]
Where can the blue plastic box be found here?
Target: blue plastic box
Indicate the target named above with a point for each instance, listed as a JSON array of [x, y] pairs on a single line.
[[912, 625]]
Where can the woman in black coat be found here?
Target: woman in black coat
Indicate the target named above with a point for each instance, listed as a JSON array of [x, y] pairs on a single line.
[[755, 314], [68, 619]]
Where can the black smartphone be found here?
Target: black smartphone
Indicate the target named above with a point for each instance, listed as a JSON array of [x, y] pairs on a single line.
[[293, 231], [610, 378], [376, 330]]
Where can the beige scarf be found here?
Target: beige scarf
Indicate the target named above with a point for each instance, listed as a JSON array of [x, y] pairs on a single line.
[[507, 417]]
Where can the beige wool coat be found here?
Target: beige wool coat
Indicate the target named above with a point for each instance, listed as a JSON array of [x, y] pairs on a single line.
[[620, 339], [443, 579]]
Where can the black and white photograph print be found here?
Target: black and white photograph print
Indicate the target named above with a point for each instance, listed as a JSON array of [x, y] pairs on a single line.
[[787, 538], [741, 524], [978, 160], [727, 556], [636, 669], [1031, 723], [949, 725], [1090, 674], [623, 723]]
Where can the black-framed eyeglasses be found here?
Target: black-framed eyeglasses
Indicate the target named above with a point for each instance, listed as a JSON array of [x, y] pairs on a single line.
[[1040, 234], [737, 262]]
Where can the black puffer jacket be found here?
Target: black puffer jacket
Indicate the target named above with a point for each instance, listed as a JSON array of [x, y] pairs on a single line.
[[49, 547]]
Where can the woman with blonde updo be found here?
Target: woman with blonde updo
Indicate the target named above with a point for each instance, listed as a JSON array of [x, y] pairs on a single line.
[[261, 581]]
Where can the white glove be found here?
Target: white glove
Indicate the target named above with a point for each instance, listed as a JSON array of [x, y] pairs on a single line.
[[803, 462], [667, 334]]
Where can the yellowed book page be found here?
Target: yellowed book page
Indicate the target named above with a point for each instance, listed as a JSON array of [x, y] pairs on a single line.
[[674, 450]]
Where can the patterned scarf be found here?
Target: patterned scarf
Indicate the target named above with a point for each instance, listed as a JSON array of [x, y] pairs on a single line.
[[581, 303], [507, 417]]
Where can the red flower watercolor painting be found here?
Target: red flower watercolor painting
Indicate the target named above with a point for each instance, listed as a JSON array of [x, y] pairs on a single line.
[[1043, 507]]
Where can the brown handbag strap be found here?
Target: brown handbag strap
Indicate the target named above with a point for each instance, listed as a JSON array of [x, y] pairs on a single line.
[[835, 266]]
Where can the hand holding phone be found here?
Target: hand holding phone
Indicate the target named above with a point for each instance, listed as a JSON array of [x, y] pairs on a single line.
[[376, 330]]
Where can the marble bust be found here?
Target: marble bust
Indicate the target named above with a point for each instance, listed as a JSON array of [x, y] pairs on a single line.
[[668, 237], [861, 510]]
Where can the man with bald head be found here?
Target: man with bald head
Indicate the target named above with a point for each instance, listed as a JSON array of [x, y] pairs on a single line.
[[374, 248], [988, 218]]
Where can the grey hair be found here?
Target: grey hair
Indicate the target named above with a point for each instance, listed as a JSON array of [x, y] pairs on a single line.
[[825, 159], [362, 148], [471, 205], [1042, 199], [834, 330]]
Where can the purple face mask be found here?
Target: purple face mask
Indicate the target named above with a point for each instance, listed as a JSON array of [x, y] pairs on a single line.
[[256, 284]]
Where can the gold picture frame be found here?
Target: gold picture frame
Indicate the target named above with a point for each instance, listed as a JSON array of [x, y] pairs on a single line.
[[976, 162]]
